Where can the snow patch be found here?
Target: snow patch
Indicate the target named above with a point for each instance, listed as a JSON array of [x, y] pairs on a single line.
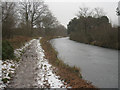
[[46, 76], [18, 52], [1, 83], [7, 67]]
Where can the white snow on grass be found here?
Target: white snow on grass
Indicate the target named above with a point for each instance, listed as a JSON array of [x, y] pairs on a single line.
[[18, 52], [1, 83], [7, 67], [46, 76]]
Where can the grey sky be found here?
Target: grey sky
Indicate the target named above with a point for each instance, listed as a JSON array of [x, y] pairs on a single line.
[[65, 10]]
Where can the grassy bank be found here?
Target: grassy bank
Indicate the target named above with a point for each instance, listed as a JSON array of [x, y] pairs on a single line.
[[71, 75], [19, 41], [9, 45], [10, 61]]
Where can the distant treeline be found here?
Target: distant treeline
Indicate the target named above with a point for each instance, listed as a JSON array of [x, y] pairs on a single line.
[[93, 27]]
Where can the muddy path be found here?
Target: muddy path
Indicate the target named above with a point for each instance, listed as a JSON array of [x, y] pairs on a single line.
[[25, 73], [34, 71]]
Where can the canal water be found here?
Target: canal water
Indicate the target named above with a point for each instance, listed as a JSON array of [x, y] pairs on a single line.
[[98, 65]]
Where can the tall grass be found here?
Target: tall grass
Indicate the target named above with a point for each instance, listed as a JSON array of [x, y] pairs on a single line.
[[19, 41]]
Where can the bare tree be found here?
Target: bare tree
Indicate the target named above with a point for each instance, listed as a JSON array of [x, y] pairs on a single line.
[[49, 21], [7, 10], [98, 12], [8, 18], [32, 11], [84, 12]]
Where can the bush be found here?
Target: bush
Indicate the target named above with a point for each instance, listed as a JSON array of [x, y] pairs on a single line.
[[7, 50], [5, 80]]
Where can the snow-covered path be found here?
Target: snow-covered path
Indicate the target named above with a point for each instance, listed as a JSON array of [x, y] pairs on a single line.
[[34, 71], [1, 83], [8, 67]]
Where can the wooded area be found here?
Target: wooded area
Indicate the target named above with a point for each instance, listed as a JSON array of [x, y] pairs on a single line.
[[93, 27], [29, 19], [22, 21]]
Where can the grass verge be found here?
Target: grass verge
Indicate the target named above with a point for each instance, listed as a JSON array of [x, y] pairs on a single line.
[[19, 41], [9, 45], [71, 75]]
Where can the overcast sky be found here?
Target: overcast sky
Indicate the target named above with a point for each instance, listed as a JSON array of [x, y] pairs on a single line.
[[65, 10]]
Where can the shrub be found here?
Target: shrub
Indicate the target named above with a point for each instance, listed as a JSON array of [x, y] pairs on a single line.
[[7, 50], [5, 80]]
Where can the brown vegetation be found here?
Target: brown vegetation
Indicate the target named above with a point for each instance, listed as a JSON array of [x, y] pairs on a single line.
[[71, 75], [29, 19], [19, 41], [26, 20]]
